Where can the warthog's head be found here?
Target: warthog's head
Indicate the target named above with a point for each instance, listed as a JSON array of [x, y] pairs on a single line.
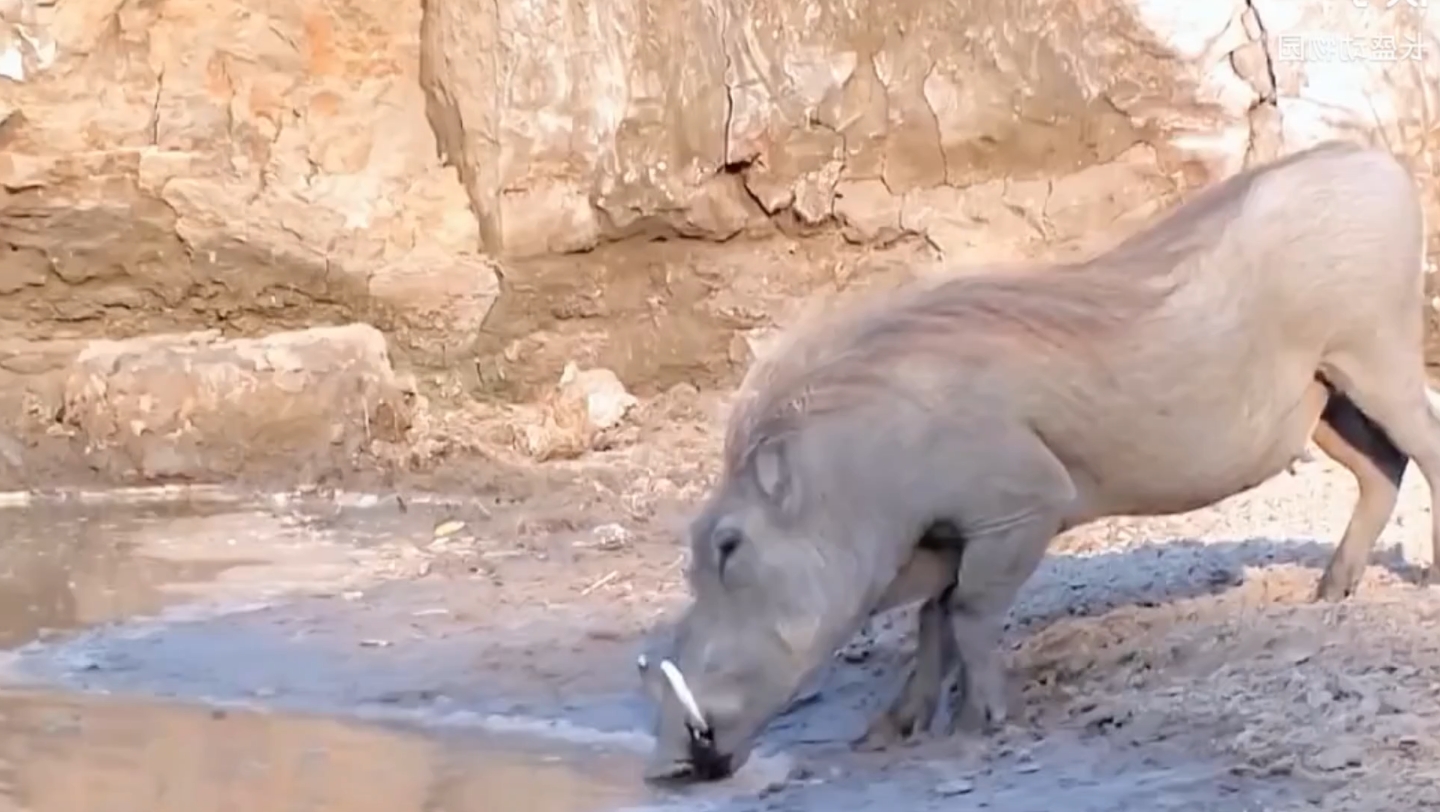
[[781, 575]]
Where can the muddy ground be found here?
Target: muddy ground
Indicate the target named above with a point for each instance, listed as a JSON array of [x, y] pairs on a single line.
[[346, 652]]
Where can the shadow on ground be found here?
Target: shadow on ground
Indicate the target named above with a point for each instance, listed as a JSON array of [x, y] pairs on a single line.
[[1157, 572], [1147, 574]]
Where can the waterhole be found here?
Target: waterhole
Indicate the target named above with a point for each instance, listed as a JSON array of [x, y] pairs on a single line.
[[66, 753], [75, 575]]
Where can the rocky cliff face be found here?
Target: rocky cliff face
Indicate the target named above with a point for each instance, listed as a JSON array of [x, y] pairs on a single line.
[[573, 125], [177, 165]]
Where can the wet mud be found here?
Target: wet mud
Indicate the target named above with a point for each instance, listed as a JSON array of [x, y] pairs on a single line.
[[351, 653]]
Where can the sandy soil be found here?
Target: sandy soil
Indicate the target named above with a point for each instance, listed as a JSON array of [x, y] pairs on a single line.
[[1171, 663]]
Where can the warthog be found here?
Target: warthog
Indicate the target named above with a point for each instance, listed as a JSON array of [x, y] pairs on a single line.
[[929, 444]]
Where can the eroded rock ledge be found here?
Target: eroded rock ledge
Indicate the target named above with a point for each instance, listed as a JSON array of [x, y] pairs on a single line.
[[292, 408], [268, 156], [573, 125], [183, 165]]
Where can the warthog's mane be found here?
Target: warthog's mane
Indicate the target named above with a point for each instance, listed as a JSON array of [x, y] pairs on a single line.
[[846, 359], [841, 362]]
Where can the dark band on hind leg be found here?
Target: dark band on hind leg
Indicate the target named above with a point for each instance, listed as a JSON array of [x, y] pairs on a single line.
[[1353, 439], [1364, 434]]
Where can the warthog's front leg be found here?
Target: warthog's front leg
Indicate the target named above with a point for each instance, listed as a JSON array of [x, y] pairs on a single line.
[[1013, 514], [995, 566]]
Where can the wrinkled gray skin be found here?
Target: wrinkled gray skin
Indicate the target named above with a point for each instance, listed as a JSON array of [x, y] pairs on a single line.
[[931, 446]]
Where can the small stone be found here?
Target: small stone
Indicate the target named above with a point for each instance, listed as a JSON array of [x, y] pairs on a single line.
[[1395, 702], [1369, 707], [800, 772], [86, 664], [610, 537], [1338, 757], [1148, 727], [958, 786], [448, 528], [1298, 652], [772, 788], [1314, 794], [606, 401]]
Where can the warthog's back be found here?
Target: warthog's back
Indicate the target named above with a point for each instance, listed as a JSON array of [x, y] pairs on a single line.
[[1179, 347], [1323, 242]]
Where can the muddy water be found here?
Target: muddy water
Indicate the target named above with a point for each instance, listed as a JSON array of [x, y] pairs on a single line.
[[66, 567], [390, 693], [63, 753]]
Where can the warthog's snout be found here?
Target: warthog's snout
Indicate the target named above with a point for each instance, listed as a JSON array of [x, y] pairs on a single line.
[[713, 695], [702, 733], [699, 759]]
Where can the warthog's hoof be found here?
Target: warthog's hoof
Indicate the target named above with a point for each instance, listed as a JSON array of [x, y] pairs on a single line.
[[983, 710], [1430, 576], [880, 735], [979, 720], [895, 726], [1335, 586]]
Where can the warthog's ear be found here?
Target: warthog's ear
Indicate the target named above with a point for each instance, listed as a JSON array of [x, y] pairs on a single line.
[[772, 471]]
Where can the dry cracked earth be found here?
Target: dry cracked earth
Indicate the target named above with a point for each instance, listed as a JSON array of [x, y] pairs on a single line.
[[405, 652]]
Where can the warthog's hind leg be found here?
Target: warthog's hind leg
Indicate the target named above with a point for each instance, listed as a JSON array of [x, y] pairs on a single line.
[[1346, 435], [1386, 384]]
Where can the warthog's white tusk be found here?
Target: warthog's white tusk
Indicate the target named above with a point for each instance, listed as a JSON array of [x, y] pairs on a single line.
[[682, 692], [642, 662]]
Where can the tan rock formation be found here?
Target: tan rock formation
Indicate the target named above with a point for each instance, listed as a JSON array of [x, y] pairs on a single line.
[[265, 148], [192, 407], [862, 111], [195, 164], [198, 162]]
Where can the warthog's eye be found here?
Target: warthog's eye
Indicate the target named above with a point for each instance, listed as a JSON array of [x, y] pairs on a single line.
[[727, 541]]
